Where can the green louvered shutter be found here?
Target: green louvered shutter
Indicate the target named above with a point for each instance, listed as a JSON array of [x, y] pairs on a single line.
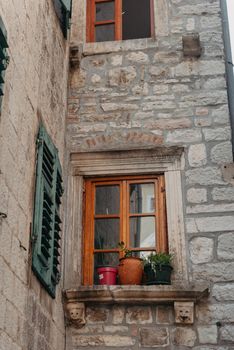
[[63, 10], [46, 224], [3, 55]]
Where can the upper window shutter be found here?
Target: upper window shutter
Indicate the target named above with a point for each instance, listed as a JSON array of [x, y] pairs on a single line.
[[63, 10], [3, 54], [46, 223]]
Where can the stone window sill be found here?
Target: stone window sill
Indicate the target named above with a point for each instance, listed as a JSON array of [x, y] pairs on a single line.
[[118, 46], [183, 297], [162, 294]]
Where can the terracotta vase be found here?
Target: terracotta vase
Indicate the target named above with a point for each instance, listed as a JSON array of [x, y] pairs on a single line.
[[130, 270]]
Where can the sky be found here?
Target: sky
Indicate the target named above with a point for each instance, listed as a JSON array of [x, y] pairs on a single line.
[[230, 5]]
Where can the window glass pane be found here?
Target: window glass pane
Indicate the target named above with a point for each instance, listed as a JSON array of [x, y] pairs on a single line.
[[136, 19], [107, 200], [143, 254], [142, 232], [106, 233], [104, 259], [142, 198], [105, 11], [105, 32]]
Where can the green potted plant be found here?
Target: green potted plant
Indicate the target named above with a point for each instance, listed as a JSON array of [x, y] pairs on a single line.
[[130, 267], [157, 268]]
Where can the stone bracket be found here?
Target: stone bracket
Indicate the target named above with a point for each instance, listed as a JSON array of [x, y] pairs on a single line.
[[191, 45], [228, 173], [75, 314], [184, 312]]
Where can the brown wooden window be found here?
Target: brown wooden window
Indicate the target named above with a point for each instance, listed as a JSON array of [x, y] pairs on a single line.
[[129, 209], [109, 20]]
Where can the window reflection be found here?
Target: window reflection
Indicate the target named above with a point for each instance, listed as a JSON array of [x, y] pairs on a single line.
[[142, 198], [107, 200], [142, 232]]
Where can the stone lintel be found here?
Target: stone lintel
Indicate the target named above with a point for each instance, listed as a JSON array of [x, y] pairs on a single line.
[[136, 294]]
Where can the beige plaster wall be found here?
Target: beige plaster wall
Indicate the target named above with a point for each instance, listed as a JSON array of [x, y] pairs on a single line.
[[35, 90]]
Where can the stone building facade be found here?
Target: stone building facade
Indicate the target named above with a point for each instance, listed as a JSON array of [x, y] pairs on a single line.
[[34, 93], [134, 107]]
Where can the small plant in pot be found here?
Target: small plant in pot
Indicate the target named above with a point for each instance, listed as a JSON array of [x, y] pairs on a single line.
[[130, 267], [157, 268]]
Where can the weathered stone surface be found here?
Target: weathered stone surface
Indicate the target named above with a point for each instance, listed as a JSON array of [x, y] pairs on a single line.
[[227, 333], [118, 314], [197, 195], [118, 341], [154, 337], [164, 314], [208, 334], [225, 248], [210, 208], [201, 250], [184, 337], [97, 315], [141, 315], [197, 155], [122, 76], [183, 136], [223, 292], [210, 224], [215, 272], [223, 194], [116, 329], [217, 134], [204, 176], [138, 57], [87, 340]]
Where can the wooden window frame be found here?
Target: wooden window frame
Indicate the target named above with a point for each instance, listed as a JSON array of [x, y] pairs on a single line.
[[124, 216], [91, 23]]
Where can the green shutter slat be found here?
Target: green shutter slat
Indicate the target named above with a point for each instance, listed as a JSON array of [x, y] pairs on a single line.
[[46, 223], [66, 4], [3, 34]]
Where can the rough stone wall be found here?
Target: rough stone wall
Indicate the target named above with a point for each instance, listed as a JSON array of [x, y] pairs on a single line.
[[35, 89], [144, 93]]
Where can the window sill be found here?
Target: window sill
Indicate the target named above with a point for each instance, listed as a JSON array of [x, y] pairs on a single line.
[[162, 294], [117, 46], [182, 296]]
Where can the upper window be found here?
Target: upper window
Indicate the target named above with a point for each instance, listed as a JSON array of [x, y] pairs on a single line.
[[109, 20], [129, 209], [46, 222]]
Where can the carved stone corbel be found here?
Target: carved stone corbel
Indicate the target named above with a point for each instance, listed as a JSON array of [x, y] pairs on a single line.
[[184, 312], [75, 314]]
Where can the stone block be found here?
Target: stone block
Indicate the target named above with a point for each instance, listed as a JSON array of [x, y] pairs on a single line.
[[227, 333], [184, 337], [223, 292], [138, 57], [223, 194], [154, 337], [118, 313], [164, 314], [215, 272], [208, 334], [197, 155], [225, 248], [217, 134], [97, 314], [183, 136], [123, 76], [204, 176], [210, 224], [116, 329], [139, 315], [197, 195], [201, 250], [210, 208]]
